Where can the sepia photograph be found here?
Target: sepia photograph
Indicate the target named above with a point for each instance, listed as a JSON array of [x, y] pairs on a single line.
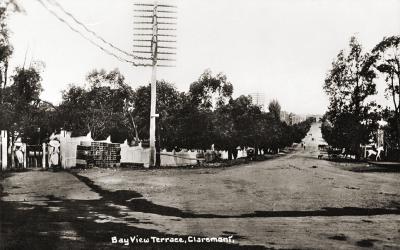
[[199, 124]]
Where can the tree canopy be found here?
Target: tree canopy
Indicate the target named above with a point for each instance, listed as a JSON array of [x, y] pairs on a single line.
[[386, 59], [348, 84], [102, 108]]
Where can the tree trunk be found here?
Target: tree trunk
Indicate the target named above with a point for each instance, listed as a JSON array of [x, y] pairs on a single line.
[[5, 73], [230, 154], [4, 83], [235, 153], [397, 111], [397, 117], [1, 86]]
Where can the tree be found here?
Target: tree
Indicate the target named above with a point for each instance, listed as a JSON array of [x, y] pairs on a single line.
[[210, 91], [102, 108], [386, 58], [169, 106], [232, 127], [197, 125], [244, 111], [23, 114], [391, 135], [275, 109], [225, 134], [348, 84], [274, 136], [347, 132], [205, 95], [6, 48]]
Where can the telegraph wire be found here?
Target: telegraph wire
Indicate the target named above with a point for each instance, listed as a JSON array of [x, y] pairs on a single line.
[[55, 3], [86, 38]]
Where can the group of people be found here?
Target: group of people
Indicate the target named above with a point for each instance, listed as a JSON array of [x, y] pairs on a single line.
[[53, 152]]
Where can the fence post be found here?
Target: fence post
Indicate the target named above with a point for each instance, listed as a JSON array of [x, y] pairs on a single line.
[[4, 149], [63, 140], [25, 155], [12, 146], [44, 155]]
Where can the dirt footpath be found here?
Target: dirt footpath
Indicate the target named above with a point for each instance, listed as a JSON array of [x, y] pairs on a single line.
[[295, 201]]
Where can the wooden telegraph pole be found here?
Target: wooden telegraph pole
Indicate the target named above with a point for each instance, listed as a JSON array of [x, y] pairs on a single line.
[[155, 24]]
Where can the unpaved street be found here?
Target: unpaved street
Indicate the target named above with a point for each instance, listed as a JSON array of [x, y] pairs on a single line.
[[294, 201]]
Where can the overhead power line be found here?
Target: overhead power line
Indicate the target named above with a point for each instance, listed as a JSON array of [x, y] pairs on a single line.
[[87, 38], [55, 3]]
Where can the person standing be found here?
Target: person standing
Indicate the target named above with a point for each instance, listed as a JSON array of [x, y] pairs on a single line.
[[19, 154], [54, 151]]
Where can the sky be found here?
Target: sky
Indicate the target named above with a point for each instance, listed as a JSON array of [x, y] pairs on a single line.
[[281, 48]]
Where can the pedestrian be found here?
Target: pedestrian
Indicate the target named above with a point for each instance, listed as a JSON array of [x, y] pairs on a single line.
[[54, 152], [19, 154]]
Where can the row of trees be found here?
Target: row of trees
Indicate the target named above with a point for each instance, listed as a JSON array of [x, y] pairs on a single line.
[[207, 114], [352, 117]]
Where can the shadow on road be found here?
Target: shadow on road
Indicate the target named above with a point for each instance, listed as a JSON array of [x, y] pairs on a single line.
[[137, 203], [80, 224]]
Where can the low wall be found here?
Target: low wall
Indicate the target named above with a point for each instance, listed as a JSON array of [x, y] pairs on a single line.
[[182, 158], [68, 147], [140, 155], [135, 154]]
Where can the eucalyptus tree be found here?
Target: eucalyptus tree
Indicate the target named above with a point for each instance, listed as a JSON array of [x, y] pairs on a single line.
[[348, 85], [101, 107], [6, 49], [386, 59]]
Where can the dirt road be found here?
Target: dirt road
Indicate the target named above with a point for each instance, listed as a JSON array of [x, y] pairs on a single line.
[[295, 201]]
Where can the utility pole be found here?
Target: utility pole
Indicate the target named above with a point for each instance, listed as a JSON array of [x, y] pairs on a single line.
[[149, 18], [153, 97]]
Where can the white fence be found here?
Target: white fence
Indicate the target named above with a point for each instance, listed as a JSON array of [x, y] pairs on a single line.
[[68, 147], [182, 158], [135, 154], [129, 155], [140, 155]]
